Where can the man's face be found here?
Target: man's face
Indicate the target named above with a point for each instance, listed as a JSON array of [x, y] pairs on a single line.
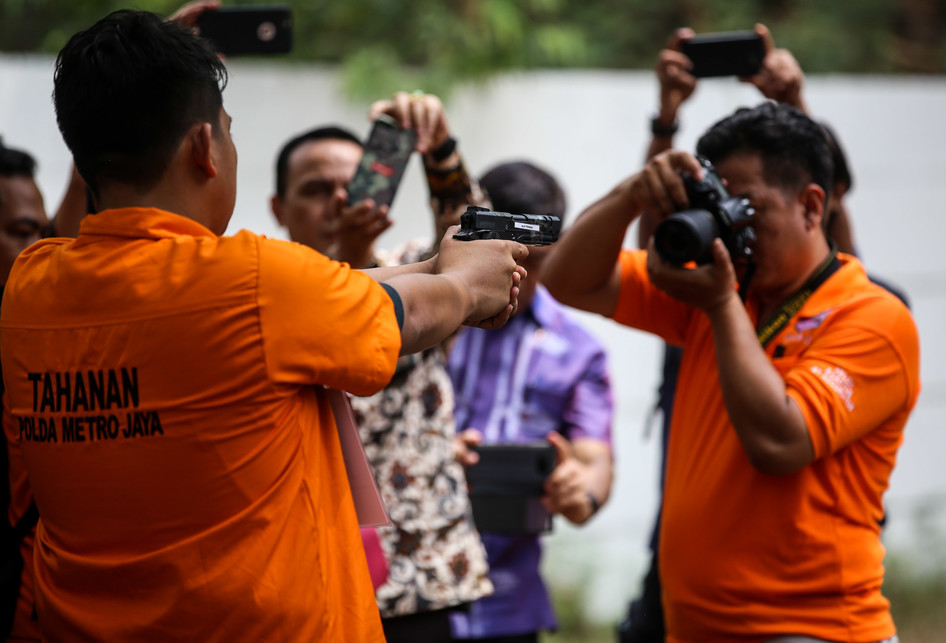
[[781, 226], [317, 174], [22, 219]]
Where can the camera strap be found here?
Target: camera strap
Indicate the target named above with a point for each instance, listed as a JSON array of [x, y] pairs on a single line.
[[790, 307]]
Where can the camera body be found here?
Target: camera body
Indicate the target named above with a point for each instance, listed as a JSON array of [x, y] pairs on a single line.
[[688, 235]]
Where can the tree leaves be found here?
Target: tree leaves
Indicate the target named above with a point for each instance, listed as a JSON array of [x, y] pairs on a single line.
[[383, 45]]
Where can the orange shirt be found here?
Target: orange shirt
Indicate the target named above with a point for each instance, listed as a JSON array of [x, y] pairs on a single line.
[[163, 385], [748, 556]]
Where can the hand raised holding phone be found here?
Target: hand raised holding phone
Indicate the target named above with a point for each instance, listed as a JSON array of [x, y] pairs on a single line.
[[383, 162], [780, 78], [420, 112]]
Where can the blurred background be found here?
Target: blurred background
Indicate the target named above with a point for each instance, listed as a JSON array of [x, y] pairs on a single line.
[[570, 86]]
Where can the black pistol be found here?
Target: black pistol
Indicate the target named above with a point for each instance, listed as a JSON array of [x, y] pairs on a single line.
[[528, 229]]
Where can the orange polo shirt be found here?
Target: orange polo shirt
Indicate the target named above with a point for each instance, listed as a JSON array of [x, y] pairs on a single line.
[[164, 391], [747, 556]]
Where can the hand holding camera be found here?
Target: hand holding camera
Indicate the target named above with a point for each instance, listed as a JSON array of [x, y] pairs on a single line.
[[700, 222], [712, 213]]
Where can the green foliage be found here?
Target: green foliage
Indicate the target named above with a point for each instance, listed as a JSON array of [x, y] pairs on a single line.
[[435, 44]]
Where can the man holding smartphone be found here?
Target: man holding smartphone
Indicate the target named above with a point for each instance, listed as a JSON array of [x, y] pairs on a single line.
[[165, 382], [434, 552], [780, 79], [542, 378]]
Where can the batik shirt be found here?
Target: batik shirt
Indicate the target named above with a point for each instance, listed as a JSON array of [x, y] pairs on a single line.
[[435, 556]]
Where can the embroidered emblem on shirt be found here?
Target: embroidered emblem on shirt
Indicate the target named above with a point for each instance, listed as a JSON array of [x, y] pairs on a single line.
[[839, 381], [810, 323]]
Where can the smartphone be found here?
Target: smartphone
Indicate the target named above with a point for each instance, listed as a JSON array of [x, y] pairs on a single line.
[[383, 162], [729, 53], [506, 487], [248, 31], [512, 467]]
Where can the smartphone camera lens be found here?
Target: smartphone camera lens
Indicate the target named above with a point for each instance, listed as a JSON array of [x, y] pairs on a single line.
[[266, 31]]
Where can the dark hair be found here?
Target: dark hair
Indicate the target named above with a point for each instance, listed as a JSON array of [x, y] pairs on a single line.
[[842, 174], [792, 147], [16, 162], [126, 91], [520, 187], [329, 132]]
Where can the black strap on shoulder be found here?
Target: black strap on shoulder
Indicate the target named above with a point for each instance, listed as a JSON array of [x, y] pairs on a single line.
[[790, 307]]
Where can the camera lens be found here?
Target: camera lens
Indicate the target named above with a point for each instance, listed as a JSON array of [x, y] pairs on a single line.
[[686, 236]]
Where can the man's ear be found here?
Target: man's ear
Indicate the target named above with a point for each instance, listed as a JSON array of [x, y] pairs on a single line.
[[275, 204], [201, 136], [812, 199]]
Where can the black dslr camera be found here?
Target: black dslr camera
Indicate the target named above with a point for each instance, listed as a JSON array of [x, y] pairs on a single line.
[[688, 235]]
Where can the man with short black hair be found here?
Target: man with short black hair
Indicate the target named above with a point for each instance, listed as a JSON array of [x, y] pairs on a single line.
[[22, 213], [166, 383], [22, 223], [541, 378], [312, 173], [432, 548], [791, 404]]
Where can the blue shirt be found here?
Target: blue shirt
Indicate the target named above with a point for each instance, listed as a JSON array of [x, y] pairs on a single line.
[[541, 372]]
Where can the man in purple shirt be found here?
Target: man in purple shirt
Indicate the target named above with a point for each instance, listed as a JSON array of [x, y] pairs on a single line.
[[541, 377]]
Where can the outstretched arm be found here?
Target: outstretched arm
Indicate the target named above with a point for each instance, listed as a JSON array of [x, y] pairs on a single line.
[[582, 269], [473, 282], [677, 84]]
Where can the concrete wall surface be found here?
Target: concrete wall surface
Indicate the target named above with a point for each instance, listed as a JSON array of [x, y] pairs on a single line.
[[590, 128]]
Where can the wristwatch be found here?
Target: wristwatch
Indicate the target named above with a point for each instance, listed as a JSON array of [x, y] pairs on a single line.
[[445, 149], [661, 130]]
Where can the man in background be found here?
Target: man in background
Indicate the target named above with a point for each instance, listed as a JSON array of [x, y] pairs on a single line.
[[436, 561], [541, 378]]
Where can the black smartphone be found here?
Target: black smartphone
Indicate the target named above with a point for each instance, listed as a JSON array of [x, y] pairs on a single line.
[[383, 162], [506, 486], [728, 53], [248, 31]]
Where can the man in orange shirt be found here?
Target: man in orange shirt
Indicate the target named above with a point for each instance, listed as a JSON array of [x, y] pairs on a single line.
[[790, 405], [165, 383]]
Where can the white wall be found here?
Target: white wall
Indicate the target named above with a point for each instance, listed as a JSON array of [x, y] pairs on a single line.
[[590, 129]]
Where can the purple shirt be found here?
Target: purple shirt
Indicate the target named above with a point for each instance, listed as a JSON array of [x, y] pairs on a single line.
[[541, 372]]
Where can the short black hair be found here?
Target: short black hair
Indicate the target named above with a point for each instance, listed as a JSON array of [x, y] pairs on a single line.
[[16, 163], [328, 132], [519, 187], [126, 91], [792, 146]]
